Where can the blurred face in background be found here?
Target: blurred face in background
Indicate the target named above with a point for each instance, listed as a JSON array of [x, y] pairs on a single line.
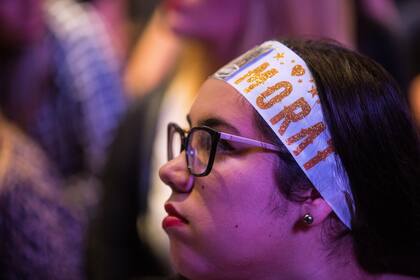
[[217, 22], [21, 22]]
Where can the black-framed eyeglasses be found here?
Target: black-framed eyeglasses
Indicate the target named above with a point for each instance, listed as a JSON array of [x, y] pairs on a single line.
[[200, 145]]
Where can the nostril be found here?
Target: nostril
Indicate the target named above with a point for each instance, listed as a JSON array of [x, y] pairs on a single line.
[[182, 184]]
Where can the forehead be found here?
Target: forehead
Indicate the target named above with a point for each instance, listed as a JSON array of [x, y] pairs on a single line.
[[217, 99]]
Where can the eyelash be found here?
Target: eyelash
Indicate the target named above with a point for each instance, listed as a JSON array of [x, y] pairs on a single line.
[[225, 146]]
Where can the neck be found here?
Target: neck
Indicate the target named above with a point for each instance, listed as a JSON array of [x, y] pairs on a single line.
[[319, 259]]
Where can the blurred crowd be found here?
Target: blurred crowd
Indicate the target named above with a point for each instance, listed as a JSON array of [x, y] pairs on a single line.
[[87, 89]]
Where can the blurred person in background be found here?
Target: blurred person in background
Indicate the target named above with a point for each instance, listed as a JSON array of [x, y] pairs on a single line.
[[410, 18], [123, 19], [184, 42], [378, 30], [59, 82], [414, 98], [388, 31], [114, 15], [39, 236], [226, 28]]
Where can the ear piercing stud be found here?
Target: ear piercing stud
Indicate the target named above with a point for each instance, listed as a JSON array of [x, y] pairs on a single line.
[[308, 219]]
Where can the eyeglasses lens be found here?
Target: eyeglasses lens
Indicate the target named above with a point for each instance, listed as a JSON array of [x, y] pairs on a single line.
[[174, 143], [198, 151]]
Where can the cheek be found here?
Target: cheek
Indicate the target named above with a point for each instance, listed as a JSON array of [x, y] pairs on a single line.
[[232, 208], [238, 208], [249, 183]]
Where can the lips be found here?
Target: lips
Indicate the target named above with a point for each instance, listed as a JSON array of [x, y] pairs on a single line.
[[173, 218]]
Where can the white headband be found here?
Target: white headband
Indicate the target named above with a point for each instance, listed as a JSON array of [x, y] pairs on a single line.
[[279, 85]]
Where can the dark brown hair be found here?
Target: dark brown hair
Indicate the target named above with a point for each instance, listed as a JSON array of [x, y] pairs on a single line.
[[376, 140]]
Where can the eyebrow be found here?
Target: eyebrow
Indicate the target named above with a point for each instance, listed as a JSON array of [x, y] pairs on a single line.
[[216, 123]]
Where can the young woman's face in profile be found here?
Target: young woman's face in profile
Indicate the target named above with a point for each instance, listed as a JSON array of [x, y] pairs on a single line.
[[236, 221]]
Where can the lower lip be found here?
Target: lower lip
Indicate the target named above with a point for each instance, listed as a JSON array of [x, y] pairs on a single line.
[[172, 221]]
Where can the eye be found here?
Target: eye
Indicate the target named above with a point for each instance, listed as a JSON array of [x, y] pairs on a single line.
[[224, 146], [204, 141]]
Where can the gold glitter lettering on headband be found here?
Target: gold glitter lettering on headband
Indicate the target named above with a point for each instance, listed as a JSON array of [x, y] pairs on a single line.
[[260, 79], [256, 71], [278, 56], [287, 89], [298, 70], [256, 76], [321, 155], [289, 115], [310, 133]]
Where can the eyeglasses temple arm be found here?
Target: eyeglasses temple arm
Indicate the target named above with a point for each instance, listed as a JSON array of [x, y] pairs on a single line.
[[248, 141]]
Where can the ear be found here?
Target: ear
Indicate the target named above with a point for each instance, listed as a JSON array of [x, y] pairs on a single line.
[[315, 206]]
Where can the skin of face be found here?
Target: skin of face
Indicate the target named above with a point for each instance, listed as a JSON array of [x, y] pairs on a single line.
[[218, 23], [239, 225]]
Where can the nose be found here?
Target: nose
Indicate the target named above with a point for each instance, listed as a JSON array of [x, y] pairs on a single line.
[[175, 174]]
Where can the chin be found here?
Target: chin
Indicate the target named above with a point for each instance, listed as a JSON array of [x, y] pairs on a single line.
[[198, 266], [192, 264]]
